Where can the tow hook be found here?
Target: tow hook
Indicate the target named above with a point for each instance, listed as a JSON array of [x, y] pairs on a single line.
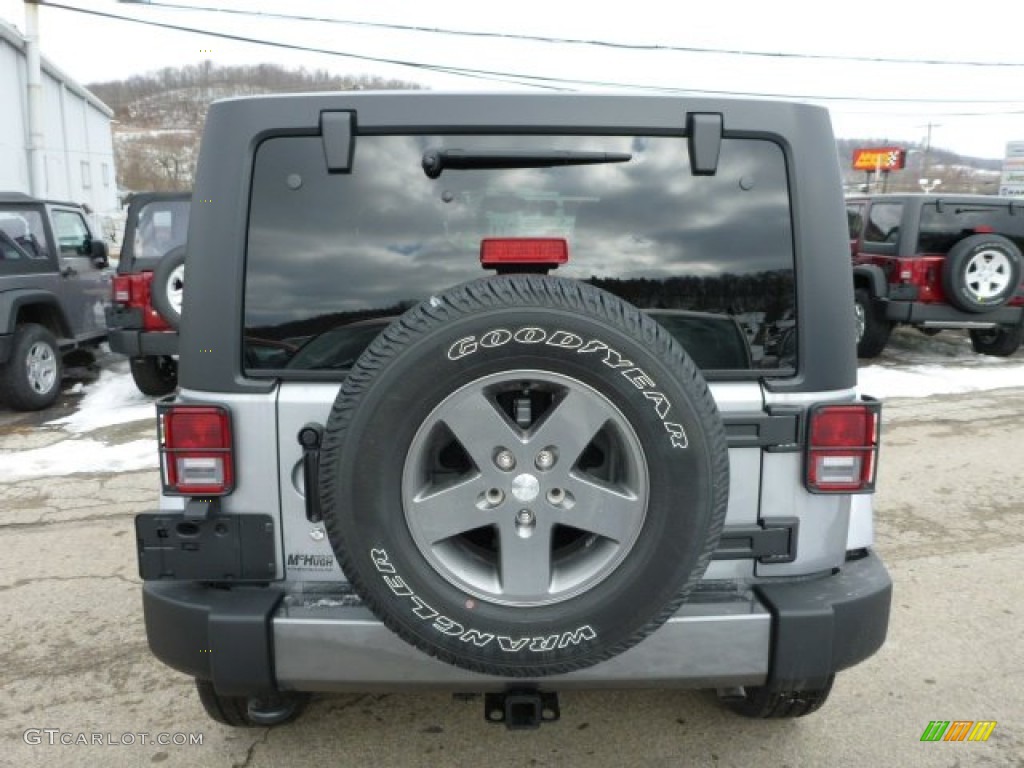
[[519, 709]]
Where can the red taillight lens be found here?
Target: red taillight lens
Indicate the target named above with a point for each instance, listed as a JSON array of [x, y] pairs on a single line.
[[133, 292], [196, 454], [122, 289], [549, 251], [842, 448]]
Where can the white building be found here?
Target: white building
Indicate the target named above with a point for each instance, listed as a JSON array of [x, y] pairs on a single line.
[[78, 149]]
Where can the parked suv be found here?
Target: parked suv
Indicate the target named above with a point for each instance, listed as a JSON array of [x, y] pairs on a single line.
[[147, 291], [514, 394], [54, 286], [938, 262]]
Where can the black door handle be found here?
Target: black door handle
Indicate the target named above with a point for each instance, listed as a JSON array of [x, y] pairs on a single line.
[[68, 272], [310, 437]]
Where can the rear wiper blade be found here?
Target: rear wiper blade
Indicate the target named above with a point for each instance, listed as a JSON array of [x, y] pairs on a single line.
[[437, 160]]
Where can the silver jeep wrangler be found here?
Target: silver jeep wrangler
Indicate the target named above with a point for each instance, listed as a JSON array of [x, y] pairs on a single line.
[[515, 394]]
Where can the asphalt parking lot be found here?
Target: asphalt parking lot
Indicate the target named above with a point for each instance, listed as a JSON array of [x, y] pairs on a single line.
[[949, 512]]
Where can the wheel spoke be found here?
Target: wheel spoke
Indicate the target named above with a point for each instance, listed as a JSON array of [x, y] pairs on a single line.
[[525, 561], [613, 513], [527, 481], [478, 425], [449, 511], [570, 425]]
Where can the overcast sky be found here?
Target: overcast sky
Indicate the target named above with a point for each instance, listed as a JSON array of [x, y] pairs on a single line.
[[973, 110]]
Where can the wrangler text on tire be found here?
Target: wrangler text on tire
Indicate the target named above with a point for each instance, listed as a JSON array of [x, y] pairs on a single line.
[[524, 476]]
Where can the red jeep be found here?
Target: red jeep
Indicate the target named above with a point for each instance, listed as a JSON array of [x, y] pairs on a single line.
[[938, 262], [146, 307]]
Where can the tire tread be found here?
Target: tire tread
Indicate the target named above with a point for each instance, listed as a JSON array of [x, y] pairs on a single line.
[[526, 291]]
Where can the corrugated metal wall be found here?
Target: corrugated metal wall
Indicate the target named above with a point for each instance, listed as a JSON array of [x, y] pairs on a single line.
[[78, 152]]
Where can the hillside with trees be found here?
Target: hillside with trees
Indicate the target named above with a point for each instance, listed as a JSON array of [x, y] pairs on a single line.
[[160, 115]]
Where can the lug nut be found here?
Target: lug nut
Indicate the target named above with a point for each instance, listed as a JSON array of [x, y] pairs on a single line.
[[524, 517], [504, 460], [494, 496], [556, 496], [545, 459]]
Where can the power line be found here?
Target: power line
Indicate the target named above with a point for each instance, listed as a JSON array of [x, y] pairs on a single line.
[[590, 42], [536, 81], [462, 72]]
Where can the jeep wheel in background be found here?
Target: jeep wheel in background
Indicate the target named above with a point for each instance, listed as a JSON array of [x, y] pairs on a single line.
[[30, 380], [155, 376], [1000, 342], [872, 328], [168, 286], [524, 476], [250, 711], [981, 272], [762, 703]]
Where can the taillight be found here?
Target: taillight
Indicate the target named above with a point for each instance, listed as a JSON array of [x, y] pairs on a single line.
[[545, 251], [842, 448], [133, 292], [196, 454], [122, 289]]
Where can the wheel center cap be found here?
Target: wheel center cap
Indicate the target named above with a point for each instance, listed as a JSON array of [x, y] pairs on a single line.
[[525, 487]]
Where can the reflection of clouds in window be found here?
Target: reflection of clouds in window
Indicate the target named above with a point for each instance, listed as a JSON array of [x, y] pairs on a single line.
[[387, 233]]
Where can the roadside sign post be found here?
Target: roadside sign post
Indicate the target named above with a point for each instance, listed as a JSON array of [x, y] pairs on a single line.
[[879, 161], [1011, 183]]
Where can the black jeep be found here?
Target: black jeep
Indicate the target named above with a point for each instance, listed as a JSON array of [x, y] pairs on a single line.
[[54, 288]]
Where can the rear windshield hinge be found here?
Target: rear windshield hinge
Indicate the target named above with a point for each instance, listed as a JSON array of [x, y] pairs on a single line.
[[337, 131], [703, 142]]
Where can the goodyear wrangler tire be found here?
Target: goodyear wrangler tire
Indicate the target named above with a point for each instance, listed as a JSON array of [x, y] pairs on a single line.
[[524, 476]]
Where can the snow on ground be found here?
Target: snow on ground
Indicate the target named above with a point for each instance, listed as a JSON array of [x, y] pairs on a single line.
[[110, 400], [915, 365], [926, 380]]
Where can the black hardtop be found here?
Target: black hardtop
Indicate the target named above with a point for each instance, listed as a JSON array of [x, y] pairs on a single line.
[[921, 198], [213, 309], [20, 198], [139, 200]]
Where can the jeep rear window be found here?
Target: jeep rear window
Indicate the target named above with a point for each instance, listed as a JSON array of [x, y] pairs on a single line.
[[332, 258], [162, 227], [943, 226]]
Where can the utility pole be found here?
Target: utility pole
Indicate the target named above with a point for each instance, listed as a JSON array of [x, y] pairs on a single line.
[[35, 101], [928, 149]]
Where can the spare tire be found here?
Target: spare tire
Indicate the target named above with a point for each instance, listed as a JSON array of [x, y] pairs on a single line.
[[524, 476], [981, 272], [168, 287]]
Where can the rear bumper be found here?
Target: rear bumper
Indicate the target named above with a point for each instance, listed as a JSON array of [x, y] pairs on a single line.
[[784, 635], [143, 343], [920, 313]]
